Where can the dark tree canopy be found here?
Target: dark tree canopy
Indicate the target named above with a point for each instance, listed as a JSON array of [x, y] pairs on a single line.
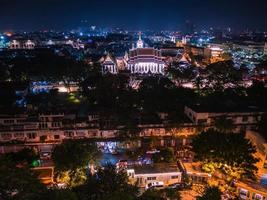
[[221, 75], [19, 182], [26, 156], [107, 184], [180, 74], [71, 155], [163, 194], [211, 193], [44, 65], [231, 149], [165, 155]]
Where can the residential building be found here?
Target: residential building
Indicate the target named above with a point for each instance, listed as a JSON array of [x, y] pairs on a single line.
[[248, 190], [244, 118], [146, 174], [194, 172]]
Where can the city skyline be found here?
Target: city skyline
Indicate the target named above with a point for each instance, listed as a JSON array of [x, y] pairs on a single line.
[[157, 15]]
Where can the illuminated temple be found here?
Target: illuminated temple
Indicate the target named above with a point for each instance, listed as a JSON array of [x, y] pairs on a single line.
[[140, 60]]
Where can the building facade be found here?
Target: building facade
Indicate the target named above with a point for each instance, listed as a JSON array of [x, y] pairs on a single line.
[[14, 44], [140, 60], [146, 175], [246, 119]]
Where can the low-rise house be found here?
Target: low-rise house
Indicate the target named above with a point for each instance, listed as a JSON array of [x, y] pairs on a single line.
[[146, 174], [195, 174]]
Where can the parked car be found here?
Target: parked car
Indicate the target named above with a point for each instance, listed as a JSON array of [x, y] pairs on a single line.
[[156, 185]]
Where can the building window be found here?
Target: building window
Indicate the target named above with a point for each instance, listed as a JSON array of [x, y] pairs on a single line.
[[21, 120], [43, 125], [244, 118], [31, 135], [6, 136], [8, 121], [68, 134], [55, 124], [19, 135], [151, 178], [56, 137], [174, 177], [202, 121]]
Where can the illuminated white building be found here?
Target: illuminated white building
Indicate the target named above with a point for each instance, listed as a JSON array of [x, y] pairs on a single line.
[[28, 45], [215, 51], [145, 60], [109, 65], [14, 44], [140, 60]]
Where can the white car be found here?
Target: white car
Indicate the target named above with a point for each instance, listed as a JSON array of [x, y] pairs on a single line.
[[158, 185]]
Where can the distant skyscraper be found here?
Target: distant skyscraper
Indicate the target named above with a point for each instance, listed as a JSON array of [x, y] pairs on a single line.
[[218, 34], [189, 27]]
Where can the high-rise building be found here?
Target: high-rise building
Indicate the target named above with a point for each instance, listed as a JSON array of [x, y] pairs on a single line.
[[218, 34], [189, 27]]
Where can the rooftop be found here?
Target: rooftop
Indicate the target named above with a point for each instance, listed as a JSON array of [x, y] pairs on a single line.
[[194, 167], [156, 168]]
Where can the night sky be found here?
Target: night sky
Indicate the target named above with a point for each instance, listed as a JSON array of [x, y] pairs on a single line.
[[132, 14]]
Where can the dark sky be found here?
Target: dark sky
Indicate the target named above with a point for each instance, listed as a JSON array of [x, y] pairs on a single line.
[[133, 14]]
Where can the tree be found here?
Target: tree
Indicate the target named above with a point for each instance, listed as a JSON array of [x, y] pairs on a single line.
[[4, 73], [262, 126], [171, 194], [211, 193], [223, 124], [130, 130], [164, 194], [26, 156], [73, 154], [180, 74], [230, 152], [257, 94], [61, 194], [7, 91], [165, 155], [19, 182], [107, 183], [151, 195], [71, 158], [221, 75], [261, 68], [244, 70]]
